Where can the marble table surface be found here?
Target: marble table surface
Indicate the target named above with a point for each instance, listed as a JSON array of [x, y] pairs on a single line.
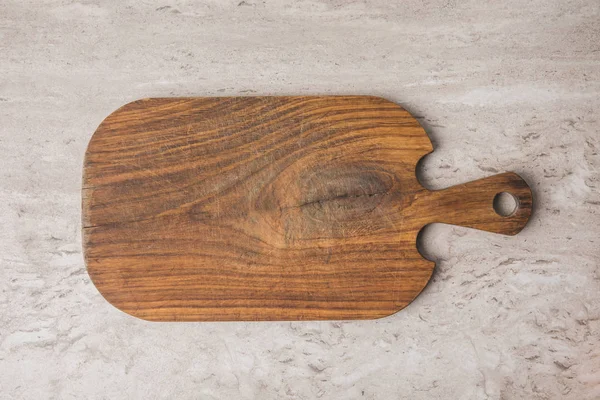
[[498, 86]]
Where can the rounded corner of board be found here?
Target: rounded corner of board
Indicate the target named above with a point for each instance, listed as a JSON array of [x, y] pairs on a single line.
[[116, 305], [381, 99]]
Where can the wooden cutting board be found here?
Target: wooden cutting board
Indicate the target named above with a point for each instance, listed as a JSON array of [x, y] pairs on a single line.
[[269, 208]]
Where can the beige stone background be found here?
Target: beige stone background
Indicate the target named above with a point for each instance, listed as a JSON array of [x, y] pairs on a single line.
[[498, 85]]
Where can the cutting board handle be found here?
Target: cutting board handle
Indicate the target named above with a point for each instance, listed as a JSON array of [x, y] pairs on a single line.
[[472, 204]]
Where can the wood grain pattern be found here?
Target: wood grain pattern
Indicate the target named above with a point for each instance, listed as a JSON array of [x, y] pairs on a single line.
[[268, 208]]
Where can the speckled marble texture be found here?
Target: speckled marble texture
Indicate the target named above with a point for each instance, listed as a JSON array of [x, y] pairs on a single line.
[[498, 85]]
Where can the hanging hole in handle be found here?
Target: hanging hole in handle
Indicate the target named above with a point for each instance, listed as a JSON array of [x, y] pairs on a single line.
[[505, 204]]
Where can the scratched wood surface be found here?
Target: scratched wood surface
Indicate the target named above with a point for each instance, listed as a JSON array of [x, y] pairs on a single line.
[[268, 208]]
